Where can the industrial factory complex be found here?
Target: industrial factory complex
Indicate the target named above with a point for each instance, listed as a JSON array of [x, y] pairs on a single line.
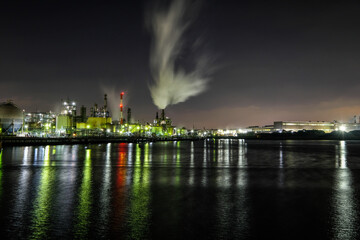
[[74, 121]]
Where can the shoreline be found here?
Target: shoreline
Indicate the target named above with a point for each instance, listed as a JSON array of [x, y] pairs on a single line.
[[33, 141]]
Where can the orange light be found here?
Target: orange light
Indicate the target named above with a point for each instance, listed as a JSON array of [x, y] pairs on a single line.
[[121, 105]]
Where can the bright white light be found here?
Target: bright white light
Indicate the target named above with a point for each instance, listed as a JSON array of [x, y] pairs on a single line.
[[342, 128]]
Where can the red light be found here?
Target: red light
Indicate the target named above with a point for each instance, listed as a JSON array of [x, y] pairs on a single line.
[[122, 93]]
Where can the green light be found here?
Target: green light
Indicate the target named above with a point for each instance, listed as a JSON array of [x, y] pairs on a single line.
[[139, 220], [43, 201], [137, 154], [84, 207], [146, 153], [177, 170], [178, 153], [1, 153], [47, 156]]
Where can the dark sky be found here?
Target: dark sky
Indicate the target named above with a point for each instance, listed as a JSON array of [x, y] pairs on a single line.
[[289, 60]]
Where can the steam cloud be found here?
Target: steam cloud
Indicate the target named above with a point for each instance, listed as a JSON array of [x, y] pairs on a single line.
[[172, 84]]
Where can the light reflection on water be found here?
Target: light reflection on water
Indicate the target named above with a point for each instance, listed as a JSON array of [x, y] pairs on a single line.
[[140, 197], [1, 173], [43, 202], [345, 209], [105, 193], [223, 188], [82, 221]]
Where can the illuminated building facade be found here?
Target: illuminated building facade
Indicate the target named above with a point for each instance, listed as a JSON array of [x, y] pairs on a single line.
[[65, 122], [162, 126], [327, 127], [304, 125], [40, 121], [261, 129]]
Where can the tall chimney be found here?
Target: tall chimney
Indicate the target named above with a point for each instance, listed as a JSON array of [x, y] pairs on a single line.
[[83, 113], [96, 110], [105, 99], [162, 114], [129, 116], [121, 108]]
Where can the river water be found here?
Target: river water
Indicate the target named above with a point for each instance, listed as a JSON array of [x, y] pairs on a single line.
[[212, 189]]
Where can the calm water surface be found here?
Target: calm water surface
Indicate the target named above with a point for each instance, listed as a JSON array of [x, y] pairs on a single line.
[[213, 189]]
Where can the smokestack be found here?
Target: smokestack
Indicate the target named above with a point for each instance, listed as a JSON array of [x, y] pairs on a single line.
[[162, 114], [121, 108], [105, 99], [83, 113], [129, 115]]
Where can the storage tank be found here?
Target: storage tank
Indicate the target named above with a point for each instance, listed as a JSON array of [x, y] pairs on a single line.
[[11, 117]]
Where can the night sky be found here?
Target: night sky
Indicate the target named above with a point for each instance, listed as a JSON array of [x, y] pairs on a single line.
[[270, 60]]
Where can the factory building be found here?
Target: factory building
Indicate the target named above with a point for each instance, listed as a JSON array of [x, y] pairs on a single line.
[[162, 126], [65, 121], [98, 121], [260, 129], [355, 119], [327, 127], [40, 121], [11, 118], [304, 125]]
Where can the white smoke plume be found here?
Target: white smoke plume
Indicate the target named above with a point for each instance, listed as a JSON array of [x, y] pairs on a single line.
[[172, 84]]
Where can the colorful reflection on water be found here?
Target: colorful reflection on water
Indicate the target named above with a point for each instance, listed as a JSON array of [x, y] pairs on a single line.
[[140, 196], [83, 210], [221, 189], [43, 202], [1, 172]]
